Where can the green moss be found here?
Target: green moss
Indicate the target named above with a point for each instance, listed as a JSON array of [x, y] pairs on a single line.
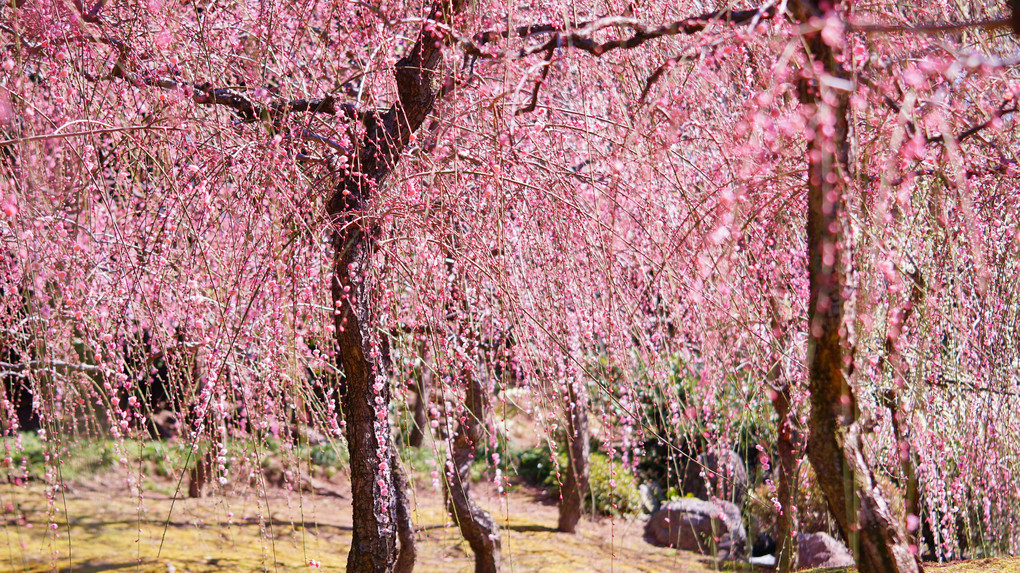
[[108, 531]]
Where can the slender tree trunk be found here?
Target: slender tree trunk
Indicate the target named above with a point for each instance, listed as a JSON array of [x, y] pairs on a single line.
[[476, 525], [575, 486], [421, 391], [786, 542], [408, 552], [788, 453], [834, 444], [898, 368]]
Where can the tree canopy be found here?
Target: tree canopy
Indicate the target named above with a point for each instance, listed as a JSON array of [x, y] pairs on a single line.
[[661, 220]]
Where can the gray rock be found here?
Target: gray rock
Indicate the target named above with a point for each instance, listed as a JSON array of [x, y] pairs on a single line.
[[651, 496], [164, 425], [710, 528], [718, 472], [821, 550]]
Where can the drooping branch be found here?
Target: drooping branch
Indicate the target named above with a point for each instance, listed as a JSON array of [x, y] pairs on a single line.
[[581, 39], [933, 28], [247, 108], [1003, 110], [546, 65], [665, 67], [581, 35], [90, 15], [23, 369], [948, 383], [1006, 108]]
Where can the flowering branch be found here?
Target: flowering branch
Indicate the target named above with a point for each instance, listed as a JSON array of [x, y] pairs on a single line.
[[579, 36]]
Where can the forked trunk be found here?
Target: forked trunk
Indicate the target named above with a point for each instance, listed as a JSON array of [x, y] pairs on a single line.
[[378, 512]]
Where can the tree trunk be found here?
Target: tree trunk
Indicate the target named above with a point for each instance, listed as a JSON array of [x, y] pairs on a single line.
[[199, 475], [407, 553], [788, 452], [362, 354], [898, 368], [421, 392], [476, 525], [365, 403], [575, 486], [786, 542], [834, 444]]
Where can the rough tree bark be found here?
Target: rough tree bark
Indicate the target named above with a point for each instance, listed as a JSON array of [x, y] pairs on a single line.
[[788, 452], [375, 477], [365, 402], [575, 485], [835, 448]]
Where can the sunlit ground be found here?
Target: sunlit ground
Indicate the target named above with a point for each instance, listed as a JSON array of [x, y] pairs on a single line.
[[97, 530]]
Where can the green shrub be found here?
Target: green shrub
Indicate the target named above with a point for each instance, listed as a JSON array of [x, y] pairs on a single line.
[[608, 494], [535, 465], [612, 494], [74, 457], [31, 455], [328, 455]]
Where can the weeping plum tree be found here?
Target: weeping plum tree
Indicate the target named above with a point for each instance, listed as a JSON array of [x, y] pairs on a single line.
[[819, 90], [618, 168]]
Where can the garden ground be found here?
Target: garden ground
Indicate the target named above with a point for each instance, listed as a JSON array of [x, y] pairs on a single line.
[[108, 532], [103, 525]]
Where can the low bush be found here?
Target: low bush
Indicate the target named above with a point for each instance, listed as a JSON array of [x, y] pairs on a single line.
[[613, 489]]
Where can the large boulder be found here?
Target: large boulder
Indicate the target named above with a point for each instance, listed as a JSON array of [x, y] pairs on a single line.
[[821, 550], [719, 472], [651, 496], [710, 528]]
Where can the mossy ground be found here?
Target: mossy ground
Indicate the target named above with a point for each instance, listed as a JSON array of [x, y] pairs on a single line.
[[111, 529], [108, 532], [103, 521]]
